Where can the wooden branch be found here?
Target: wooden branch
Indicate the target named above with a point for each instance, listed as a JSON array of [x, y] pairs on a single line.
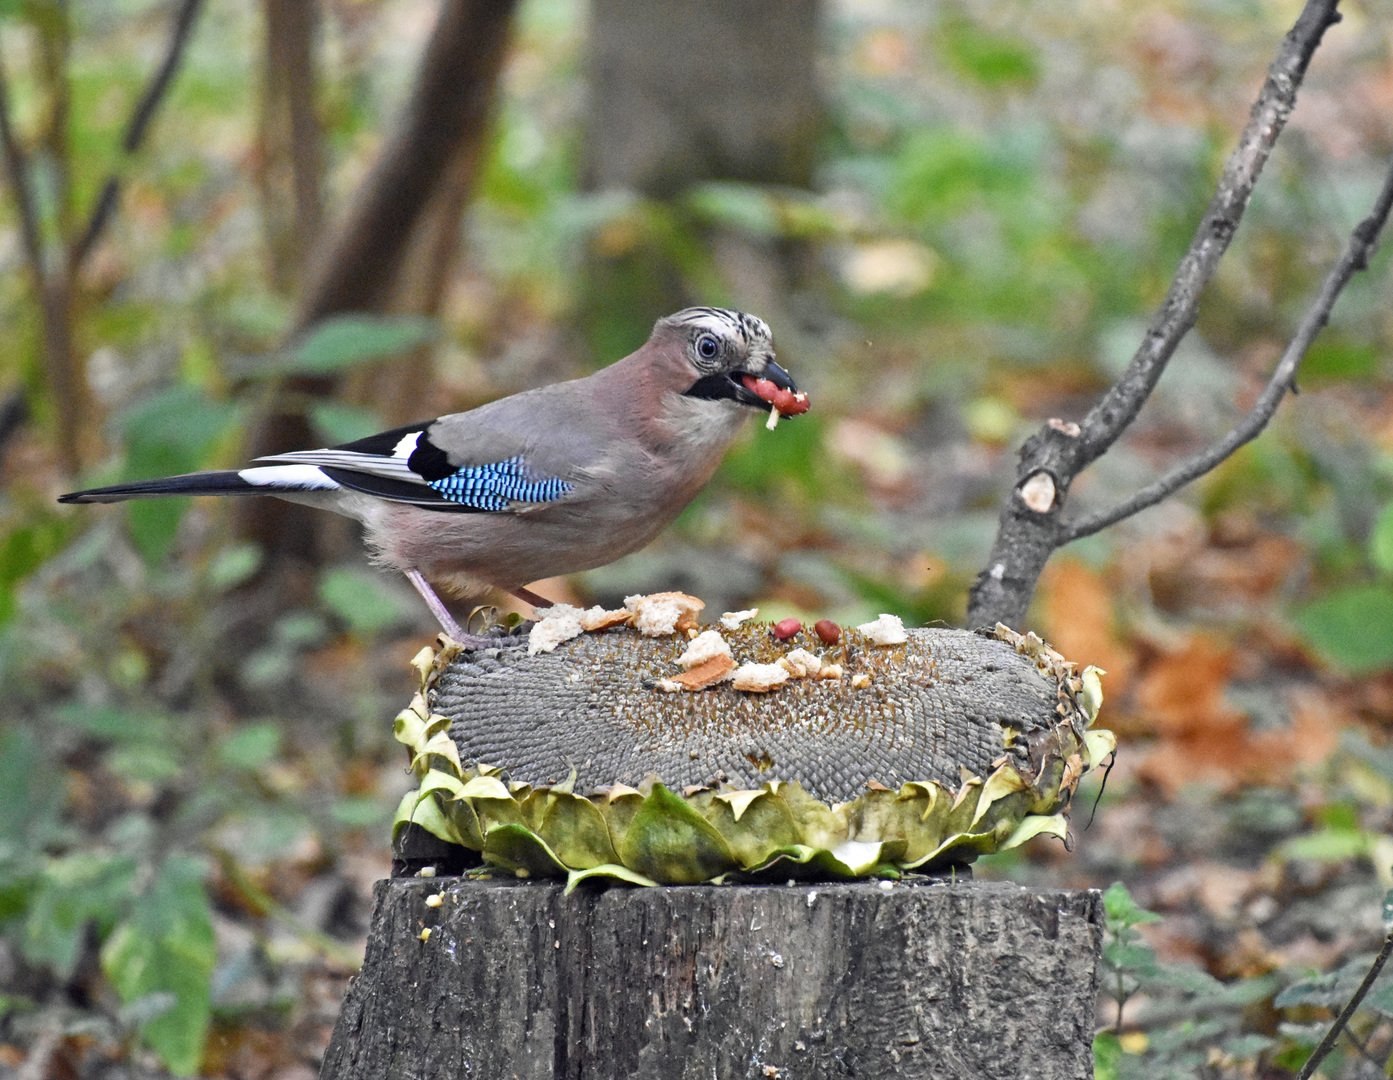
[[1332, 1036], [52, 293], [17, 170], [1029, 529], [357, 264], [449, 105], [1361, 245], [1120, 405], [137, 127]]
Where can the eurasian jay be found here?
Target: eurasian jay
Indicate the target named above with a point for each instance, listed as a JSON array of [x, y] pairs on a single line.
[[548, 481]]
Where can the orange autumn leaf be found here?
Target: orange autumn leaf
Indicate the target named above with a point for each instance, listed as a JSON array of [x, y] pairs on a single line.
[[1076, 617], [1203, 739]]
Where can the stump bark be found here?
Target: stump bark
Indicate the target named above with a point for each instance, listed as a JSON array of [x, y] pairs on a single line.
[[911, 979]]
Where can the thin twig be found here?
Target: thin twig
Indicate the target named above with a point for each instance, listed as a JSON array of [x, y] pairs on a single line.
[[139, 125], [1327, 1043], [1124, 399], [1360, 247], [1031, 526], [17, 168]]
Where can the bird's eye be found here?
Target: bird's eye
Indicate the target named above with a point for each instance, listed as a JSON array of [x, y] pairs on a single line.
[[708, 347]]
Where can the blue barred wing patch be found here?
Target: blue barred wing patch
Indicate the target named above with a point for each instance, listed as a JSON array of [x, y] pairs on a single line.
[[498, 485]]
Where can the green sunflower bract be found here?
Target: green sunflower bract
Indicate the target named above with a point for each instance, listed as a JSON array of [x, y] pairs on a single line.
[[653, 835]]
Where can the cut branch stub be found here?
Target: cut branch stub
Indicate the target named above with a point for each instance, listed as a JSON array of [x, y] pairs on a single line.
[[922, 755]]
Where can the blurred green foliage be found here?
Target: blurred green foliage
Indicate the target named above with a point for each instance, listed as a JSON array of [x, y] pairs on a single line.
[[999, 204], [1207, 1029]]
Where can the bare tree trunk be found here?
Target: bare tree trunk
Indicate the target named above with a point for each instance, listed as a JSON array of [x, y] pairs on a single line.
[[357, 266], [396, 388], [681, 94], [291, 140]]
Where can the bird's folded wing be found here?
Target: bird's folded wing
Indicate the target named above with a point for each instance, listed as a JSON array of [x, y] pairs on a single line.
[[404, 466]]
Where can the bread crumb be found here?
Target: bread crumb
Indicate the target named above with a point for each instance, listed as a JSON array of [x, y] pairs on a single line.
[[708, 673], [597, 618], [758, 678], [668, 686], [732, 620], [886, 630], [860, 681], [801, 664], [703, 647], [661, 614], [830, 671], [558, 623]]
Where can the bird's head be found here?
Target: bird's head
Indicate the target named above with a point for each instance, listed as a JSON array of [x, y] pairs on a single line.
[[729, 356]]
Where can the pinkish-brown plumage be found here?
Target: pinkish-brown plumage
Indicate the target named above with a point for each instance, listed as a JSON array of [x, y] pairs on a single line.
[[553, 480]]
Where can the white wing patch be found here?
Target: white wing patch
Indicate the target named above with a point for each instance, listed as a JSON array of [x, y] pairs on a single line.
[[291, 477], [408, 444], [394, 467]]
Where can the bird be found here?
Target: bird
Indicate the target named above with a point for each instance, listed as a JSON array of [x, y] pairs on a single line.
[[548, 481]]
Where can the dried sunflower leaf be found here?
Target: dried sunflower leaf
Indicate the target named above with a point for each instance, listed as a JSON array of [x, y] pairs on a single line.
[[669, 841]]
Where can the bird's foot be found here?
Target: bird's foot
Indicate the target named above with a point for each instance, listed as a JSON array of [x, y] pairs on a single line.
[[493, 631], [475, 642]]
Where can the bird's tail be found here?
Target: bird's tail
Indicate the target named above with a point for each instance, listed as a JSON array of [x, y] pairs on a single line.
[[264, 480]]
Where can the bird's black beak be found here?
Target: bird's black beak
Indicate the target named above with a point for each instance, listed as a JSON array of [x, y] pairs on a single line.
[[759, 390], [779, 377]]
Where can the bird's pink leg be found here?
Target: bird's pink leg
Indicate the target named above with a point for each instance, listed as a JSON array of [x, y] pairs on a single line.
[[443, 616]]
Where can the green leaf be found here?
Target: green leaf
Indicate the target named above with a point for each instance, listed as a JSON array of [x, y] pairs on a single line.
[[166, 947], [233, 565], [339, 423], [1351, 627], [669, 841], [1120, 908], [172, 432], [424, 811], [607, 872], [1326, 990], [357, 811], [1246, 1047], [1037, 825], [989, 58], [122, 727], [743, 206], [575, 829], [517, 848], [33, 787], [364, 600], [345, 341], [251, 747], [1381, 541], [1333, 358], [1107, 1056], [1134, 959], [1327, 845], [27, 547], [75, 892]]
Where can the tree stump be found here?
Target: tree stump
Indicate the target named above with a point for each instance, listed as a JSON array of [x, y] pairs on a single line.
[[920, 755], [867, 979]]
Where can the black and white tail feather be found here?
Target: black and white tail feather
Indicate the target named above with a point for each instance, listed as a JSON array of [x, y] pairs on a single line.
[[401, 465]]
